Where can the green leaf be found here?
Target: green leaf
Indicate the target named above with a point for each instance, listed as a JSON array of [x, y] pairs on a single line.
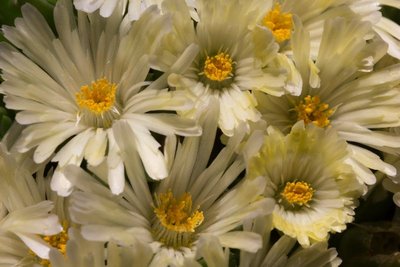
[[9, 11]]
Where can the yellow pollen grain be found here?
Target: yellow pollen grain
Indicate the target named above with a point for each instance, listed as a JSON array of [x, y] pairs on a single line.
[[279, 23], [218, 67], [177, 214], [58, 241], [312, 110], [299, 193], [97, 97]]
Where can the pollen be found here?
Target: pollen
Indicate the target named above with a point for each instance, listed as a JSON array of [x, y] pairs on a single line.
[[279, 23], [58, 241], [312, 110], [177, 215], [98, 97], [298, 193], [218, 67]]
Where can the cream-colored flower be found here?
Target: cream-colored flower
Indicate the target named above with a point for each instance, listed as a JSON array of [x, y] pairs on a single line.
[[26, 215], [280, 253], [344, 93], [35, 229], [387, 29], [73, 88], [193, 202], [222, 57], [315, 191], [78, 251], [135, 7], [313, 13]]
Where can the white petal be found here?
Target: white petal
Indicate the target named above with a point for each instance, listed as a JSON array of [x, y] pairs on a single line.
[[148, 148], [371, 160], [247, 241], [96, 147], [116, 178], [36, 244], [212, 252], [60, 183], [73, 151], [122, 235]]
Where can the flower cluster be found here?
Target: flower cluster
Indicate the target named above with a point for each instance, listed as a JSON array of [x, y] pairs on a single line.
[[194, 133]]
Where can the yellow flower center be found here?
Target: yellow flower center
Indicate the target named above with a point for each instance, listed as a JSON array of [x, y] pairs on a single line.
[[175, 220], [298, 193], [98, 97], [279, 23], [58, 241], [177, 215], [218, 67], [312, 110]]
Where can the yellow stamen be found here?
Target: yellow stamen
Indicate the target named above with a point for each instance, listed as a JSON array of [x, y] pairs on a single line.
[[45, 263], [279, 23], [299, 193], [98, 97], [177, 215], [58, 241], [312, 110], [218, 67]]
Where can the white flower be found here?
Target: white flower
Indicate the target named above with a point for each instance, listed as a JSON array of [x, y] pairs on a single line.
[[281, 253], [348, 96], [193, 202], [80, 252], [135, 7], [34, 225], [315, 191], [313, 14], [224, 57], [387, 29], [73, 89], [26, 215]]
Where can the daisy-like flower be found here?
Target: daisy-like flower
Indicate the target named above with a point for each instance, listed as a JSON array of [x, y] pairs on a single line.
[[72, 89], [193, 202], [35, 229], [225, 56], [282, 253], [315, 191], [313, 13], [135, 7], [106, 7], [26, 219], [78, 251], [346, 94], [367, 10]]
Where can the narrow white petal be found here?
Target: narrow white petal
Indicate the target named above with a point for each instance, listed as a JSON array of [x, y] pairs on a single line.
[[60, 183], [36, 244], [96, 147], [247, 241]]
